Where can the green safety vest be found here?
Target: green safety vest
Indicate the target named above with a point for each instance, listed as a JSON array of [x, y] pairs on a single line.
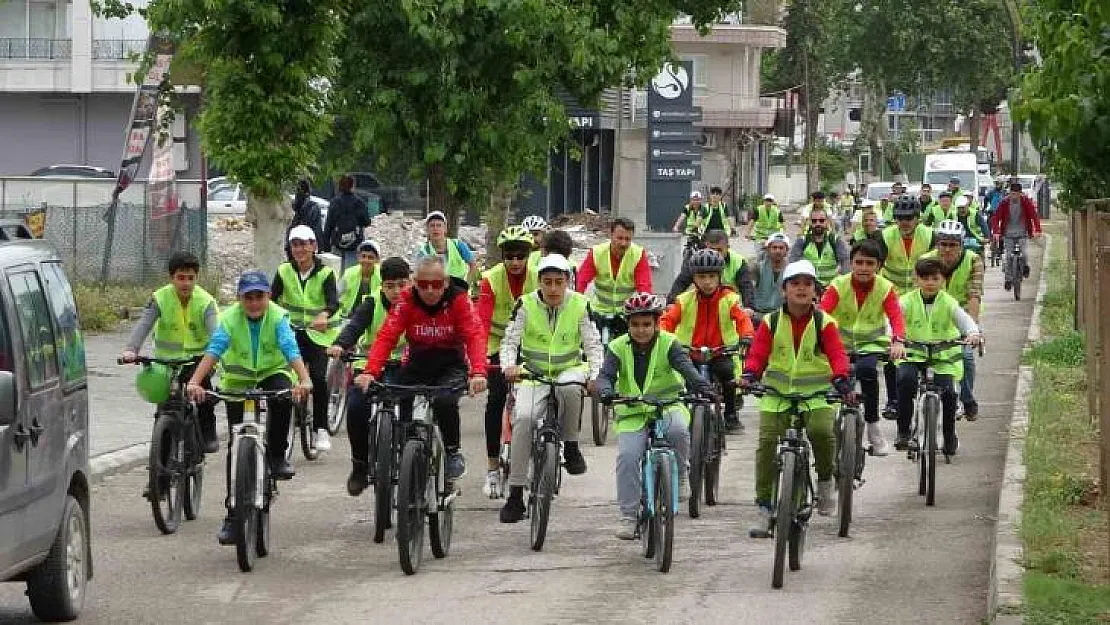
[[957, 283], [180, 333], [768, 220], [937, 214], [611, 291], [898, 267], [805, 370], [534, 260], [552, 349], [972, 225], [456, 266], [862, 329], [351, 282], [825, 263], [887, 212], [503, 302], [239, 368], [937, 325], [688, 302], [734, 264], [371, 333], [926, 208], [692, 215], [661, 381], [305, 302], [722, 209]]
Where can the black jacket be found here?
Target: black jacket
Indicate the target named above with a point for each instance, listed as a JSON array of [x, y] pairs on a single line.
[[307, 213], [347, 213]]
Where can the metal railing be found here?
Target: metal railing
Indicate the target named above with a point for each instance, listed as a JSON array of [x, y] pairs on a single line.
[[117, 49], [35, 48]]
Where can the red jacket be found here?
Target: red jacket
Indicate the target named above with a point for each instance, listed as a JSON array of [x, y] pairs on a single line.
[[448, 326], [1001, 217], [707, 326], [760, 352]]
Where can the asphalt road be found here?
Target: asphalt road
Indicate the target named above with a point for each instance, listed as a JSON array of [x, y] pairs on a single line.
[[905, 563]]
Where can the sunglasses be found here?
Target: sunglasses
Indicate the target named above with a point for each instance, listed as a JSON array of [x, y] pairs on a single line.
[[430, 285], [515, 256], [948, 244], [817, 221]]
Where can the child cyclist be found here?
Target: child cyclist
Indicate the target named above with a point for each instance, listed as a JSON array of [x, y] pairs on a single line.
[[183, 317], [359, 334], [646, 361], [796, 350], [863, 304], [361, 280], [551, 328], [933, 315], [710, 315]]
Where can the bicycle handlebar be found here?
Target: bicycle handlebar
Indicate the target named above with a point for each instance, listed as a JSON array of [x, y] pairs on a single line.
[[759, 390], [406, 390], [656, 402], [151, 360], [537, 376], [720, 350], [252, 394]]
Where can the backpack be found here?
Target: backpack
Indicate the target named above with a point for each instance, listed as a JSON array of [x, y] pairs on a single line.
[[818, 319]]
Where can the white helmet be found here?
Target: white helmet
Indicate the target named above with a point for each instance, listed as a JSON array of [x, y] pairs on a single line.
[[553, 262], [769, 196], [950, 229], [534, 222], [962, 201], [799, 268]]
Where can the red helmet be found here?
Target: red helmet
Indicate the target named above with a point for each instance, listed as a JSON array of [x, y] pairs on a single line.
[[643, 303]]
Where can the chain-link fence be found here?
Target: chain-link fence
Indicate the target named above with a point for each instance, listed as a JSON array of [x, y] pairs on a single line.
[[74, 216]]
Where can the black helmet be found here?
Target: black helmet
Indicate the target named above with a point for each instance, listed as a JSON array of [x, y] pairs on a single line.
[[707, 261], [907, 206]]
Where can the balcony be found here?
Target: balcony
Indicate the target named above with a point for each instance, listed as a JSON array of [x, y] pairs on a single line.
[[755, 36], [34, 48], [117, 49]]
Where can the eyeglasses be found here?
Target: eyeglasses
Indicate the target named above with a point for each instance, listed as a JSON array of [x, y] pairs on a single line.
[[514, 256], [948, 244], [430, 285]]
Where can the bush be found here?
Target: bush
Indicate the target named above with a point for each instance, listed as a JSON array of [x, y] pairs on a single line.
[[102, 308], [1062, 351]]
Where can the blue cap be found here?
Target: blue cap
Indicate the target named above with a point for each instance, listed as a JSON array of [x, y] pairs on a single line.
[[252, 281]]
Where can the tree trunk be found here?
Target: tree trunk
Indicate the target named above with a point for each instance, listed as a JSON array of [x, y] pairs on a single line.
[[496, 218], [270, 218], [440, 199], [813, 171], [974, 122]]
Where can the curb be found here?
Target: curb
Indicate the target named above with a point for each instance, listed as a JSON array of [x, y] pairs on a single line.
[[1004, 597], [122, 460]]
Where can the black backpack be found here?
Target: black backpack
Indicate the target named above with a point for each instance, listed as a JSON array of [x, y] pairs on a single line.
[[818, 320]]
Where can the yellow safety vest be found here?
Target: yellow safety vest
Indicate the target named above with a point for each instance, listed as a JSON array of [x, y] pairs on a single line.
[[456, 266], [767, 221], [957, 283], [352, 281], [240, 369], [661, 381], [180, 332], [862, 329], [371, 333], [611, 291], [898, 267], [804, 371], [305, 302], [688, 301], [825, 263], [503, 302], [938, 324], [552, 349]]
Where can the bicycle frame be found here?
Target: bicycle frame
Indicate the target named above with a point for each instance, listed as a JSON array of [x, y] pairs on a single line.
[[255, 428]]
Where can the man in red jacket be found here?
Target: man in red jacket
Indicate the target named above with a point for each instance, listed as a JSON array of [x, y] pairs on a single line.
[[445, 342], [1014, 222], [618, 268]]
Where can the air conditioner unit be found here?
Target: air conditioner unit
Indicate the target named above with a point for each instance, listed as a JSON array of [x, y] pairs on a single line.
[[708, 140]]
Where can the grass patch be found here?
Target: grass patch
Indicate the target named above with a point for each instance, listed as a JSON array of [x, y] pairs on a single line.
[[101, 308], [1064, 520]]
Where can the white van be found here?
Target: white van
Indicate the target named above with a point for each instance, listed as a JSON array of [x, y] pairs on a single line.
[[941, 166]]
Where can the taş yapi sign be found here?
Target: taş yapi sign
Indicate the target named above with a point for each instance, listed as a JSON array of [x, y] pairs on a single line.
[[673, 156]]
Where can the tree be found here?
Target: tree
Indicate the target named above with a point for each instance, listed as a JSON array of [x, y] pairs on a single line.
[[1066, 99]]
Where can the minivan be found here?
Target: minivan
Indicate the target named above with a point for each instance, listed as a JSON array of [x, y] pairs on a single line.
[[44, 429]]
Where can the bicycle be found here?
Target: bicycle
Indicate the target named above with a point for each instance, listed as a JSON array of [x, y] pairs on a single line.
[[851, 454], [794, 492], [386, 432], [707, 432], [659, 478], [302, 422], [423, 491], [176, 466], [253, 485], [340, 376], [601, 414], [1015, 262], [996, 252]]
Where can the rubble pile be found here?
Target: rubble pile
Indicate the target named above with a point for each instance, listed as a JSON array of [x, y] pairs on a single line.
[[230, 251]]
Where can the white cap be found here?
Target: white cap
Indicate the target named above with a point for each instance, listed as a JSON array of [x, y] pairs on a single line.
[[769, 196], [962, 201], [695, 195], [435, 215], [554, 262], [778, 237], [799, 268], [303, 233]]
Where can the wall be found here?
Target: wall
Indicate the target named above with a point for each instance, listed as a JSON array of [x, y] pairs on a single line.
[[790, 190]]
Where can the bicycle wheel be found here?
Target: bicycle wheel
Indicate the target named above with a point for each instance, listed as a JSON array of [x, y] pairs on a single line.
[[194, 487], [262, 541], [699, 435], [410, 506], [798, 527], [932, 409], [383, 475], [663, 519], [1017, 281], [441, 502], [303, 416], [545, 473], [246, 513], [784, 517], [166, 487], [337, 395], [846, 467], [647, 521], [599, 420], [715, 434]]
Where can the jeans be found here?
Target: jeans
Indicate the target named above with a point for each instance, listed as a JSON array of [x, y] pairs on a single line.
[[279, 412], [772, 426], [631, 447], [1008, 243], [967, 384], [722, 369], [908, 373], [495, 408], [316, 360], [531, 403]]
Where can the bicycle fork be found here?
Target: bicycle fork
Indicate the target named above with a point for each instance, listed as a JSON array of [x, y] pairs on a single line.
[[257, 433]]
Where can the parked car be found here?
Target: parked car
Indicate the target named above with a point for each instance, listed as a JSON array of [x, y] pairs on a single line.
[[73, 171], [877, 190], [230, 198], [44, 429]]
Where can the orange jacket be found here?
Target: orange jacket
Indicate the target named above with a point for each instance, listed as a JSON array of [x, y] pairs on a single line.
[[707, 329]]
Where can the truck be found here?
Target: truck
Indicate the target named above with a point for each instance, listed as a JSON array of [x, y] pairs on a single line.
[[943, 165]]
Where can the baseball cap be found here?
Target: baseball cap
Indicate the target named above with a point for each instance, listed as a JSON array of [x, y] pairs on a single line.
[[302, 233], [253, 282], [436, 215], [799, 268], [553, 262], [778, 237], [370, 245], [695, 195], [769, 196], [954, 180]]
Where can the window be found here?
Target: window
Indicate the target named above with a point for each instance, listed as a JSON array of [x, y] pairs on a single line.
[[225, 194], [701, 75], [72, 344], [35, 328]]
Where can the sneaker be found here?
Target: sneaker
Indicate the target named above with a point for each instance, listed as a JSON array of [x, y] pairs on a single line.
[[1025, 271], [826, 503], [902, 443], [876, 440], [683, 487], [1007, 284], [733, 425], [492, 487], [762, 527], [572, 459], [627, 529], [951, 447], [971, 411], [227, 531], [513, 510], [208, 433], [890, 412], [356, 481], [323, 441], [282, 468], [454, 465]]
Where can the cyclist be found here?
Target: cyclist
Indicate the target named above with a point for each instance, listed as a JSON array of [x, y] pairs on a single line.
[[550, 331], [886, 209], [710, 315], [826, 252], [1013, 223], [691, 221], [932, 315], [818, 201], [767, 276], [926, 199], [457, 255], [903, 243], [734, 274], [361, 280], [255, 348], [717, 213], [974, 225], [963, 274], [359, 332], [306, 287], [995, 196], [767, 219], [797, 350], [868, 227], [501, 287], [559, 242], [183, 316], [617, 268], [443, 334], [955, 190], [538, 227], [646, 361], [864, 304], [943, 210]]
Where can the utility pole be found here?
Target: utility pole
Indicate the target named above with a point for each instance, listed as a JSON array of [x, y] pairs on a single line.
[[1015, 128]]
